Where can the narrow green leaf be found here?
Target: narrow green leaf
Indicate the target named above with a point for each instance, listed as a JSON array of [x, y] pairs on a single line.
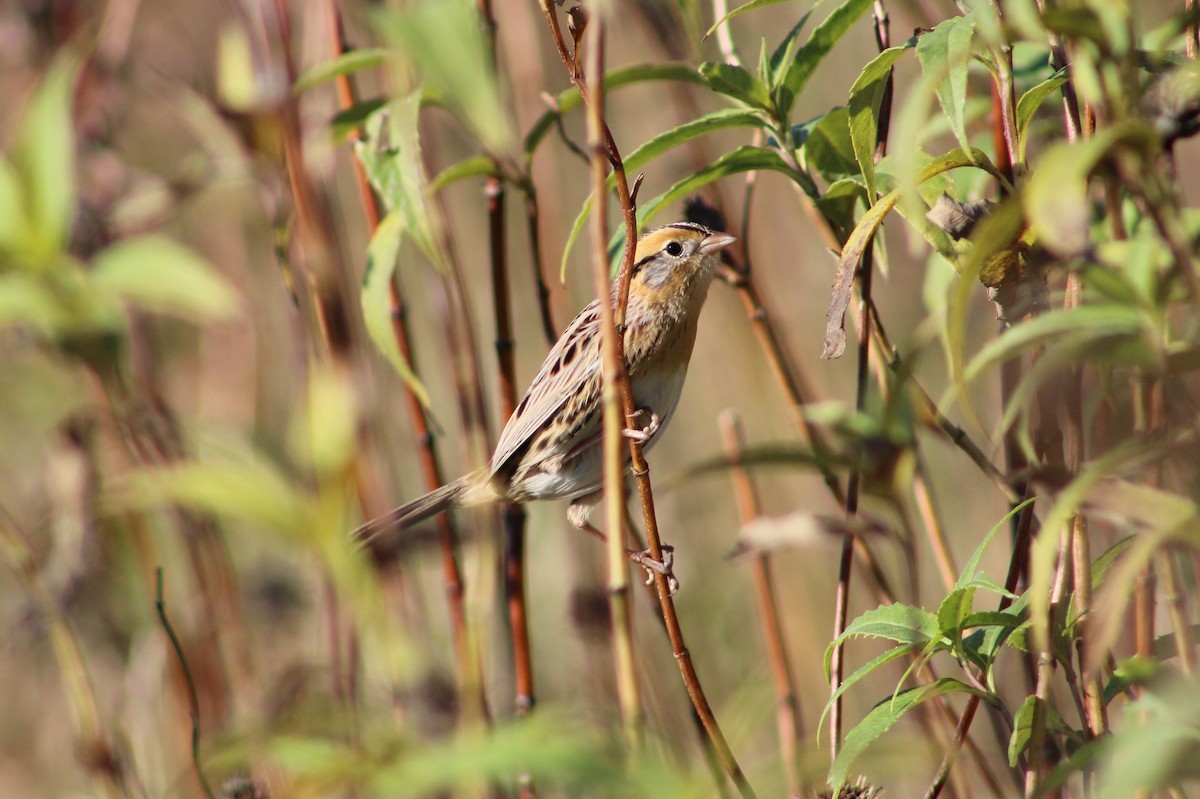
[[856, 244], [391, 156], [345, 64], [1096, 320], [1030, 102], [26, 300], [840, 204], [743, 159], [784, 52], [828, 148], [462, 75], [1022, 728], [802, 67], [159, 274], [478, 166], [1179, 521], [865, 96], [717, 120], [1004, 619], [737, 12], [1056, 197], [382, 253], [736, 82], [895, 653], [883, 717], [944, 54], [349, 120], [253, 490], [14, 226], [898, 622], [1102, 564], [971, 570], [953, 610], [569, 99], [44, 156]]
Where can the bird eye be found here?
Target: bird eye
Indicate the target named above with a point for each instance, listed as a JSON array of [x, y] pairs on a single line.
[[674, 249]]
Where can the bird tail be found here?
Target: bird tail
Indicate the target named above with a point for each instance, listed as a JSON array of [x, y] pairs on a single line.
[[462, 492]]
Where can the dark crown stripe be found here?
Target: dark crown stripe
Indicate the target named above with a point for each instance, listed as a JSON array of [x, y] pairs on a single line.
[[688, 226]]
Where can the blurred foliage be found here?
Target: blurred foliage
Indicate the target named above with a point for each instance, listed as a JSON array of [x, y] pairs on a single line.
[[200, 360]]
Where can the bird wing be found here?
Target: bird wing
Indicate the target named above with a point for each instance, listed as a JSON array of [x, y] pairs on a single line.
[[573, 362]]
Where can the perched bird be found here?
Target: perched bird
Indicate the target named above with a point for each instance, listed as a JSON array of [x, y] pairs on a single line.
[[551, 446]]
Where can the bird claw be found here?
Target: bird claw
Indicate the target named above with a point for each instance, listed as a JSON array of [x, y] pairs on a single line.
[[654, 567], [645, 433]]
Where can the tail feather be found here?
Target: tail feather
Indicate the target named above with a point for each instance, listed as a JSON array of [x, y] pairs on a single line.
[[449, 496]]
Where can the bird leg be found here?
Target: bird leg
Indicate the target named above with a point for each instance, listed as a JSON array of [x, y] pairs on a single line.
[[646, 432], [579, 511]]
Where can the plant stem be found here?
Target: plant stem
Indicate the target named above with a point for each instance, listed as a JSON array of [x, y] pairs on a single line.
[[788, 716], [641, 471]]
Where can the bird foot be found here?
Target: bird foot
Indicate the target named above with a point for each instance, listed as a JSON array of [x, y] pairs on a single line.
[[653, 566], [647, 431]]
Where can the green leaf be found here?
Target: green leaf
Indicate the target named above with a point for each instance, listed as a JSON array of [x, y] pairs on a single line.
[[1018, 742], [478, 166], [865, 96], [736, 82], [737, 12], [323, 434], [827, 147], [895, 653], [376, 298], [1030, 102], [802, 67], [26, 300], [743, 159], [1156, 746], [1056, 197], [349, 120], [159, 274], [901, 623], [783, 53], [14, 226], [461, 74], [953, 611], [717, 120], [253, 490], [569, 99], [883, 717], [44, 156], [840, 203], [391, 156], [1091, 320], [971, 570], [345, 64], [1167, 517], [945, 53], [856, 244]]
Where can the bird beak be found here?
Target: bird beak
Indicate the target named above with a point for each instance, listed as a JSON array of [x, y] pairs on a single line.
[[716, 241]]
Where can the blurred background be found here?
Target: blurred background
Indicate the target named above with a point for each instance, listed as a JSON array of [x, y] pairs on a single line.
[[289, 632]]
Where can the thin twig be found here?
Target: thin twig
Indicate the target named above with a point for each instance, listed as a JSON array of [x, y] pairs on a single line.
[[789, 718], [513, 514], [1016, 567], [638, 463], [193, 699], [614, 450], [467, 666]]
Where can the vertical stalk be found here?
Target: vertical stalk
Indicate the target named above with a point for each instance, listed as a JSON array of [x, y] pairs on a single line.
[[788, 717], [513, 514], [640, 468], [467, 667], [614, 461]]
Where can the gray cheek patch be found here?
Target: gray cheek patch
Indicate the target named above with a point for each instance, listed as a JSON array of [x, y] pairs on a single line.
[[656, 274]]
